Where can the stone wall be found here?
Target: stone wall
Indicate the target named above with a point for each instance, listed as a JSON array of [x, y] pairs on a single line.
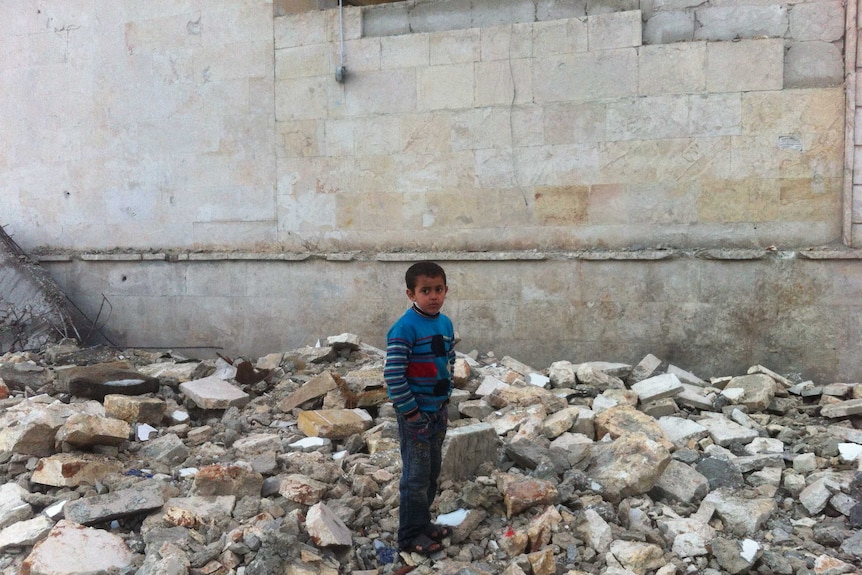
[[554, 126], [571, 162]]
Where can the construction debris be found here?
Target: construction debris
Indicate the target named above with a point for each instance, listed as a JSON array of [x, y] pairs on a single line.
[[33, 310], [153, 464]]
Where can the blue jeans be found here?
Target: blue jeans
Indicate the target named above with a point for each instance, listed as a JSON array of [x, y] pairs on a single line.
[[421, 456]]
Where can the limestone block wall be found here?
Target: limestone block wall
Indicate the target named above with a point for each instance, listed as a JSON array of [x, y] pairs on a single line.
[[555, 125]]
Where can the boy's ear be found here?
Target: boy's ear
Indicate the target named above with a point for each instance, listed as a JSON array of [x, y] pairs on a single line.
[[411, 294]]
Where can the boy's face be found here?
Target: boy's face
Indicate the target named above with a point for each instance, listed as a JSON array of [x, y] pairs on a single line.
[[429, 293]]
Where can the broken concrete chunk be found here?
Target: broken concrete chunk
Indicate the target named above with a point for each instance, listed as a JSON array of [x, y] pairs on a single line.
[[636, 556], [842, 409], [346, 342], [214, 393], [755, 391], [114, 505], [680, 482], [13, 507], [167, 450], [520, 494], [658, 387], [315, 388], [742, 516], [325, 527], [71, 470], [624, 419], [649, 366], [686, 376], [593, 375], [25, 533], [333, 423], [724, 431], [302, 489]]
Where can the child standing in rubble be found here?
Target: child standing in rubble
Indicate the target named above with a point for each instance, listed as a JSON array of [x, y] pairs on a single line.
[[420, 356]]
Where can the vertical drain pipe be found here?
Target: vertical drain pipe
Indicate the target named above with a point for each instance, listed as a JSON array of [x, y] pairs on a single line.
[[341, 71]]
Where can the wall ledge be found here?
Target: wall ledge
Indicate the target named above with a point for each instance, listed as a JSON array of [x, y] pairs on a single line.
[[725, 254]]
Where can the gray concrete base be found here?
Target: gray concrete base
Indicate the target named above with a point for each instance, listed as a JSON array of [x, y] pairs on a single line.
[[712, 312]]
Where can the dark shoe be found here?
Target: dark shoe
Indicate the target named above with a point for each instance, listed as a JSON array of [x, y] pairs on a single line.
[[423, 545], [438, 532]]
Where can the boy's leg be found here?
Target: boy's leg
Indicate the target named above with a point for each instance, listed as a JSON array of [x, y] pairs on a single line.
[[414, 512], [439, 423]]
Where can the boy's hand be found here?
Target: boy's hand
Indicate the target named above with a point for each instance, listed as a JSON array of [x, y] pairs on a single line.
[[413, 417]]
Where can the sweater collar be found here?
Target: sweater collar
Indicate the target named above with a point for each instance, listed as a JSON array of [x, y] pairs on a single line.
[[424, 314]]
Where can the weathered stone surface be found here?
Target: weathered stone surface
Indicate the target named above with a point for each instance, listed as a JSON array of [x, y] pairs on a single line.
[[631, 465], [333, 423], [741, 516], [302, 489], [757, 390], [237, 480], [679, 482], [623, 419], [135, 409], [466, 448], [83, 430], [30, 428], [68, 548], [166, 450]]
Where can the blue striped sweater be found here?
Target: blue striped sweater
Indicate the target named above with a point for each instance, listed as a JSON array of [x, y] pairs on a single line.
[[420, 354]]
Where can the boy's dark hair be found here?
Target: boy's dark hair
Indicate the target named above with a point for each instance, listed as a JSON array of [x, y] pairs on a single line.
[[426, 268]]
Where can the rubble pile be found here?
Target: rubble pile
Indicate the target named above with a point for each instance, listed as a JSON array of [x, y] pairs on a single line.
[[131, 462]]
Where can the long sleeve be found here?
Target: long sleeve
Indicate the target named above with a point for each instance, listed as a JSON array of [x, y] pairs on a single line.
[[398, 347]]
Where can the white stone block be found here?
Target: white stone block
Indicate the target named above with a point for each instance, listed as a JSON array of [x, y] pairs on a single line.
[[404, 51], [746, 65], [590, 76], [817, 21], [560, 37], [445, 87], [672, 68], [455, 47], [614, 30]]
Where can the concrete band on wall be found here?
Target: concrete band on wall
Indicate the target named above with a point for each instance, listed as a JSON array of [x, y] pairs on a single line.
[[713, 312]]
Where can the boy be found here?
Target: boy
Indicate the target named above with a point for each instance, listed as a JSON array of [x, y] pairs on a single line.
[[419, 359]]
